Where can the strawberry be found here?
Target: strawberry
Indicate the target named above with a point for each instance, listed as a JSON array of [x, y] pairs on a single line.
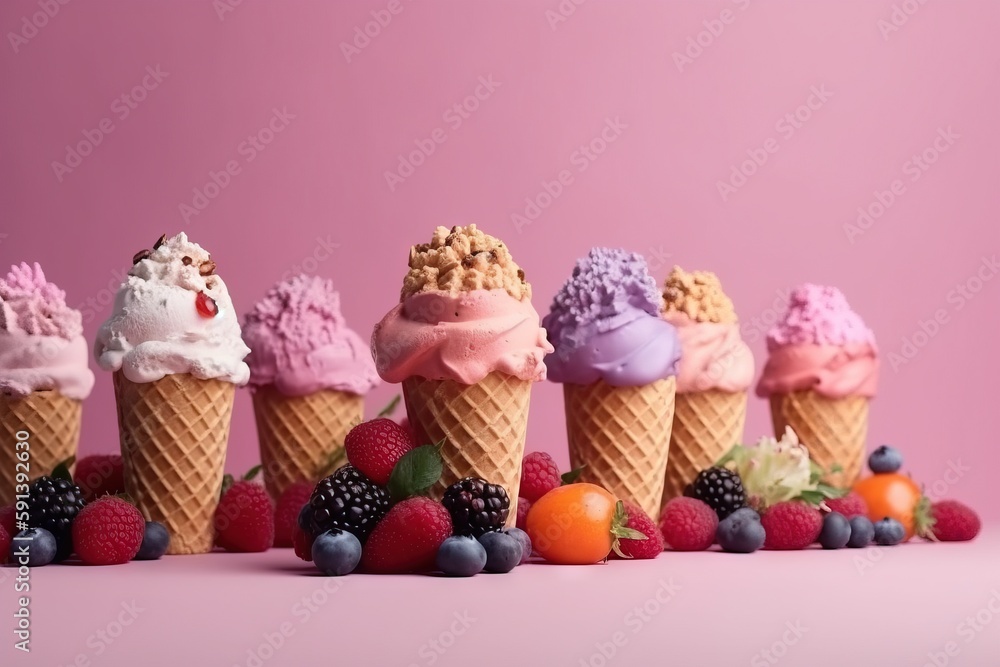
[[651, 547], [523, 505], [244, 519], [539, 475], [688, 524], [953, 522], [286, 513], [790, 525], [100, 475], [374, 447], [7, 518], [407, 539], [108, 531], [303, 543], [850, 506], [4, 544]]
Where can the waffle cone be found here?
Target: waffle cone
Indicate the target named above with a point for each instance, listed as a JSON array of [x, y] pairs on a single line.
[[53, 425], [833, 430], [620, 437], [706, 425], [483, 427], [299, 434], [173, 440]]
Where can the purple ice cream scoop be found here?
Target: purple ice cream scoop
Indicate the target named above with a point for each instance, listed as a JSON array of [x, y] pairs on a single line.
[[605, 324]]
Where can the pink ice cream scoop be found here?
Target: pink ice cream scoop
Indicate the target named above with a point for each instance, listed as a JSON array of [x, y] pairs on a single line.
[[41, 338], [713, 356], [462, 336], [822, 345], [300, 343]]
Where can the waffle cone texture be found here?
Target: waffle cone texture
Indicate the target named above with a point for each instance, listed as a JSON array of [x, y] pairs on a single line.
[[707, 424], [832, 429], [482, 425], [52, 422], [173, 434], [620, 437], [299, 434]]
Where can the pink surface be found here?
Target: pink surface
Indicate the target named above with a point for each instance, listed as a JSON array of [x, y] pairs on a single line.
[[850, 143], [881, 606]]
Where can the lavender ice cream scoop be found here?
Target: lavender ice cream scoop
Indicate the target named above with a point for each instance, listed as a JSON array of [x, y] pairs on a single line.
[[605, 324]]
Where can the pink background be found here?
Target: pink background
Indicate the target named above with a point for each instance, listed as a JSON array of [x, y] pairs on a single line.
[[321, 181]]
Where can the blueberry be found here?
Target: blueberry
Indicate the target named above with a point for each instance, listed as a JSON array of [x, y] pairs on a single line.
[[741, 532], [41, 547], [461, 556], [336, 552], [155, 541], [503, 551], [862, 532], [525, 543], [836, 532], [889, 532], [885, 459]]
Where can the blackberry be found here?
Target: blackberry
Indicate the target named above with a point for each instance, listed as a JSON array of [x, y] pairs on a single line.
[[720, 488], [476, 506], [346, 500], [53, 503]]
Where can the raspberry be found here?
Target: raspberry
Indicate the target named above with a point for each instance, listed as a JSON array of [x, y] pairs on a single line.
[[100, 475], [4, 544], [651, 547], [374, 447], [244, 519], [286, 513], [303, 543], [539, 475], [7, 517], [688, 524], [523, 505], [108, 531], [791, 525], [407, 539], [954, 522], [850, 506]]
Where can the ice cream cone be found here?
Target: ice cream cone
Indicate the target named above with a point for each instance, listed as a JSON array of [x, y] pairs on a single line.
[[299, 434], [482, 425], [620, 437], [173, 440], [52, 422], [832, 429], [706, 425]]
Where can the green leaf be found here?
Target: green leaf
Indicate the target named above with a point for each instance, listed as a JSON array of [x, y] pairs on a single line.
[[728, 456], [61, 471], [835, 468], [417, 471], [253, 472], [227, 481], [811, 497], [832, 491], [572, 475], [390, 408], [621, 531]]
